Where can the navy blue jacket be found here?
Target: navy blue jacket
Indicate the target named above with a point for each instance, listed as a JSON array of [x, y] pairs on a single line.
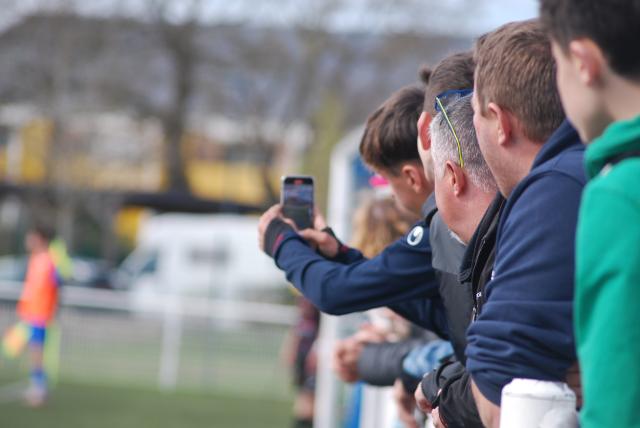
[[400, 277], [525, 328]]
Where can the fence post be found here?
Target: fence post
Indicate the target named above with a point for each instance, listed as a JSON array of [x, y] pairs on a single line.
[[340, 201], [171, 343]]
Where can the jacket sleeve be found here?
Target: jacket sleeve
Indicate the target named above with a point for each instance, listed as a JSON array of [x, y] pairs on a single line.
[[428, 313], [449, 389], [347, 255], [525, 329], [456, 405], [380, 364], [421, 360], [401, 272]]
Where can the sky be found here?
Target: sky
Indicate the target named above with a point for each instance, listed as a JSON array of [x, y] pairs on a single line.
[[461, 17], [501, 11]]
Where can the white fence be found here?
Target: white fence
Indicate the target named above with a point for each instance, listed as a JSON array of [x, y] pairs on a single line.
[[185, 343]]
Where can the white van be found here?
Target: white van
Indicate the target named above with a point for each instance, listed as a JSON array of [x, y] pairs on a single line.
[[196, 255]]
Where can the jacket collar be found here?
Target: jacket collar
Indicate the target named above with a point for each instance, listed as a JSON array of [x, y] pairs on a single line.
[[619, 137], [429, 206], [563, 138], [471, 254]]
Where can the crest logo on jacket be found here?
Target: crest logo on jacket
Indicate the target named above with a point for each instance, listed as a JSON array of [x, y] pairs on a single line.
[[415, 236]]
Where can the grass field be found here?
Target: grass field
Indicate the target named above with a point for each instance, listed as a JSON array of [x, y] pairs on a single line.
[[80, 406], [227, 375]]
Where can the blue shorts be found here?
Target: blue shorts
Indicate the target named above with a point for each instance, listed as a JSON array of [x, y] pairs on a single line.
[[38, 334]]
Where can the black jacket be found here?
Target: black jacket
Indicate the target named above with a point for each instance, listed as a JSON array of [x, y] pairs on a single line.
[[455, 403], [477, 263]]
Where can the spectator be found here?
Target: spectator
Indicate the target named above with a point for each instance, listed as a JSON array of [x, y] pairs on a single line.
[[341, 280], [453, 73], [595, 45], [462, 180], [523, 326], [462, 177]]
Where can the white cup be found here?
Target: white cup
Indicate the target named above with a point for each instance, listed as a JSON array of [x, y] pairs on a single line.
[[528, 403]]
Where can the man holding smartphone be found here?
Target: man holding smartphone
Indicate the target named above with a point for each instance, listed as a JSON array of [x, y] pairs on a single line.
[[340, 280], [406, 276]]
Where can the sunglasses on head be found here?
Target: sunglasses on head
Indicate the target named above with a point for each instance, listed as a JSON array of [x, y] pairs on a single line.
[[442, 101]]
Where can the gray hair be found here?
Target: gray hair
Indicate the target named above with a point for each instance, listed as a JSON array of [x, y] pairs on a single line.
[[444, 147]]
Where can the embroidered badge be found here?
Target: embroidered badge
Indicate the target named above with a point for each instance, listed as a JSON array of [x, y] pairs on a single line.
[[415, 236]]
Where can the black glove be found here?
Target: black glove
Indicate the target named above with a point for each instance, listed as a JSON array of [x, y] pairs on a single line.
[[274, 234], [409, 382], [438, 378]]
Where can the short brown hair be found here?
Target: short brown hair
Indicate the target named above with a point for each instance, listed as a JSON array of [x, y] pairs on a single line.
[[453, 72], [391, 133], [515, 69]]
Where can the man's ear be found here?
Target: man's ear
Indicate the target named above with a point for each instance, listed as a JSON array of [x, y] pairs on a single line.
[[413, 175], [424, 139], [588, 60], [455, 178], [503, 122]]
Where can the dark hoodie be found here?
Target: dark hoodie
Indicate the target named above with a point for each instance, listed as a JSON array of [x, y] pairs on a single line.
[[525, 328]]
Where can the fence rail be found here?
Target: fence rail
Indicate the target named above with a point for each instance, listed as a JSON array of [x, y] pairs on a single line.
[[180, 343]]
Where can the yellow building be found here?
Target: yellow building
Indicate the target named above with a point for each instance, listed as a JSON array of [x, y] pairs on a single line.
[[117, 153], [114, 152]]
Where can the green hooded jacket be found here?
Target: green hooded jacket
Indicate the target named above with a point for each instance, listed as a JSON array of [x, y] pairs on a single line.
[[607, 299]]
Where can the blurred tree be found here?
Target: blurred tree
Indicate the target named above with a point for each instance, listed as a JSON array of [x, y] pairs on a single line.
[[63, 200], [328, 125], [177, 38]]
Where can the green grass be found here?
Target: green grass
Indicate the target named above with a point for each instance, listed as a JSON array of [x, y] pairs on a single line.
[[79, 406], [245, 363], [229, 376]]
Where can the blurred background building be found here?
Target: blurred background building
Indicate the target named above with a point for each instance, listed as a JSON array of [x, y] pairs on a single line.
[[99, 109]]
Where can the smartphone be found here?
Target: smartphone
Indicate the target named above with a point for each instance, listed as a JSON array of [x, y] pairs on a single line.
[[296, 198]]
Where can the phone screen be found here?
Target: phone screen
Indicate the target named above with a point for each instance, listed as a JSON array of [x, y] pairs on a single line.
[[297, 200]]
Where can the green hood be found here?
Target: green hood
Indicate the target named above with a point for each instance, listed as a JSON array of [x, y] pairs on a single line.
[[619, 137]]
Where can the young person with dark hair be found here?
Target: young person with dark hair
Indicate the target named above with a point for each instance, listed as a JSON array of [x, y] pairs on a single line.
[[385, 148], [339, 279], [595, 45]]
